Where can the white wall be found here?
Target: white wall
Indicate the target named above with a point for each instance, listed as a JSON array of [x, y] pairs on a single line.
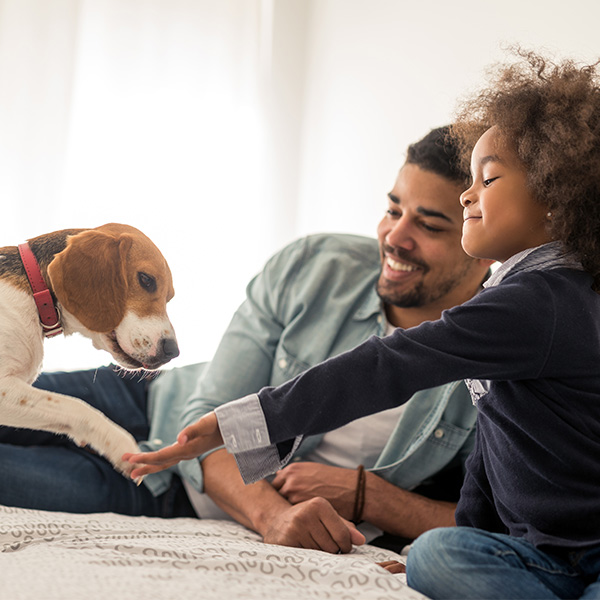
[[99, 116], [381, 73]]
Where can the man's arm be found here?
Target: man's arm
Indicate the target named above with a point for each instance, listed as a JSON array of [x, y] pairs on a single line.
[[403, 513], [314, 523], [388, 507]]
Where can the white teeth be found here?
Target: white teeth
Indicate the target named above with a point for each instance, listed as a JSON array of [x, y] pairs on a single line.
[[398, 266]]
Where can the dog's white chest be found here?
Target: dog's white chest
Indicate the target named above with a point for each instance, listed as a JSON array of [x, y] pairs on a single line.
[[21, 343]]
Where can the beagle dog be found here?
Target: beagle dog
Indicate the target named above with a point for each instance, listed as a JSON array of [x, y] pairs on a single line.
[[110, 284]]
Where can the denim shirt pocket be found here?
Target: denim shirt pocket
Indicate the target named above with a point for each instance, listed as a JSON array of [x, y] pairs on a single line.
[[448, 435], [434, 453], [286, 366]]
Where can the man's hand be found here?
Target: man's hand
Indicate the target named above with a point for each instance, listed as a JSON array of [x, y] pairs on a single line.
[[313, 524], [201, 436], [303, 481]]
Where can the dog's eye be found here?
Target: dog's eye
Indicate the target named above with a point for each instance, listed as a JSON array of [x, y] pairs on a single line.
[[147, 282]]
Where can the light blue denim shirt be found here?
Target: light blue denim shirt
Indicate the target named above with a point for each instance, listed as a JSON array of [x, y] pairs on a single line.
[[314, 299]]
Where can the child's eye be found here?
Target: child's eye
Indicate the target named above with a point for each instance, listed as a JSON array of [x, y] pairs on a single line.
[[487, 182]]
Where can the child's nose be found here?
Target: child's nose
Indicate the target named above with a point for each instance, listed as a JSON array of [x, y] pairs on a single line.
[[466, 198]]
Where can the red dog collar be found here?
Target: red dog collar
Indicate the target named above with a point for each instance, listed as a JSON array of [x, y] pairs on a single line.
[[49, 318]]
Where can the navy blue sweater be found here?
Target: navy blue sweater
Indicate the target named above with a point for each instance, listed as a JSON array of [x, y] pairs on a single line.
[[534, 340]]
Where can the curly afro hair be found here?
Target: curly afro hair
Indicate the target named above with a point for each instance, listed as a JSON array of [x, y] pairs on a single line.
[[549, 114]]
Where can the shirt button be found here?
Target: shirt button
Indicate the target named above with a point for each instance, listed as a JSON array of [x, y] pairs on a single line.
[[157, 441], [379, 319], [439, 433], [282, 363]]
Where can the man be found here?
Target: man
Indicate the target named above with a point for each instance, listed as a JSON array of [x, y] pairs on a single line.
[[316, 298]]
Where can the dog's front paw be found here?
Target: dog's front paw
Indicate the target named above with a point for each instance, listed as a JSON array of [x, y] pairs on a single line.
[[125, 444], [113, 444]]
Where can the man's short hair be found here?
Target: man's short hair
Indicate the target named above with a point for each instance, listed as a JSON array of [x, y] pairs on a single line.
[[438, 152]]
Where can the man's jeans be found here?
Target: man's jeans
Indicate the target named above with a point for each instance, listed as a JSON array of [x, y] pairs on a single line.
[[46, 471], [461, 562]]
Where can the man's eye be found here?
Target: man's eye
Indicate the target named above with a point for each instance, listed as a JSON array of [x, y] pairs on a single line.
[[431, 229], [392, 212], [147, 282]]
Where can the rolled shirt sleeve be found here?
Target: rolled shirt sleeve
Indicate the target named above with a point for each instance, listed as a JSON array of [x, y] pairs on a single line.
[[245, 435]]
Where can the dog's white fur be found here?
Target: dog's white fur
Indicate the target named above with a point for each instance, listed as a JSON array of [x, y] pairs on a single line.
[[134, 343]]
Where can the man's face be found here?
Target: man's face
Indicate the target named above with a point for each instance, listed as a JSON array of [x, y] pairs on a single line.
[[423, 263]]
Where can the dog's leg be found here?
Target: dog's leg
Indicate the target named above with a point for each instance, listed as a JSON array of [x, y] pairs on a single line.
[[24, 406]]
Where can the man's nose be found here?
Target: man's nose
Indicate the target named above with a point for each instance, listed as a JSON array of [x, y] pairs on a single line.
[[401, 234]]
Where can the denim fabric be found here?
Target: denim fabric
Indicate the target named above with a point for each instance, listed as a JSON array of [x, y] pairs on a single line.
[[461, 562], [46, 471]]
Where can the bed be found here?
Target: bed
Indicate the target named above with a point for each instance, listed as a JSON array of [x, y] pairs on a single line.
[[53, 555]]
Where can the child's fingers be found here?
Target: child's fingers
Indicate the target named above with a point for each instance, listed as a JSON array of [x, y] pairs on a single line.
[[153, 462], [172, 453], [141, 471], [192, 441], [393, 566]]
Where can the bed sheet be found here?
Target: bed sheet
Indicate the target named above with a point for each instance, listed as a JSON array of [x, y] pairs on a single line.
[[53, 555]]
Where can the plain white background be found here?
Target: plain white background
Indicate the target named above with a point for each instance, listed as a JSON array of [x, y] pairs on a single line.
[[225, 129]]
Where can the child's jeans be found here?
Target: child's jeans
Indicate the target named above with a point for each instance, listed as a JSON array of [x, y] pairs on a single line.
[[462, 562]]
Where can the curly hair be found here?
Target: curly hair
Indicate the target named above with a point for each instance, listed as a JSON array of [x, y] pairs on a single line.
[[549, 114]]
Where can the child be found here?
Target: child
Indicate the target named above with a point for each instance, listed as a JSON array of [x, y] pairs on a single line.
[[528, 347]]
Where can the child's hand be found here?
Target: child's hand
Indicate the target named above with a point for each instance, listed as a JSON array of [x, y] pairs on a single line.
[[201, 436], [393, 566]]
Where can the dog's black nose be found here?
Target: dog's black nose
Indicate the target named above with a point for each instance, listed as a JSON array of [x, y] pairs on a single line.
[[170, 349]]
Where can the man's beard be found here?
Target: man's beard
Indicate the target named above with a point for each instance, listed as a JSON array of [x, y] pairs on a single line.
[[422, 294]]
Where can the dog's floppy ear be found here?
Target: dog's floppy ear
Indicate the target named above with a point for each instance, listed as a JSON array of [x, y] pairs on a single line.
[[89, 278]]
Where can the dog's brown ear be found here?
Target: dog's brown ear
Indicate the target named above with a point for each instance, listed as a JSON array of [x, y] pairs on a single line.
[[89, 278]]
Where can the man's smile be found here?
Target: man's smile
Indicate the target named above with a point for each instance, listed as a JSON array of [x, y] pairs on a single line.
[[399, 266]]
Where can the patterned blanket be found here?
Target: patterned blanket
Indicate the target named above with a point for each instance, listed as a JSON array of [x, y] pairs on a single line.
[[50, 555]]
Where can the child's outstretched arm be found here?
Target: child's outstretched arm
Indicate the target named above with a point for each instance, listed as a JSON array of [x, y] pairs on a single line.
[[194, 440]]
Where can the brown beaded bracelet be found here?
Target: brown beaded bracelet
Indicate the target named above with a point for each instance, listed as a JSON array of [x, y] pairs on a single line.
[[359, 499]]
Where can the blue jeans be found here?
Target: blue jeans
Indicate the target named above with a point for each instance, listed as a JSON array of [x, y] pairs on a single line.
[[46, 471], [461, 562]]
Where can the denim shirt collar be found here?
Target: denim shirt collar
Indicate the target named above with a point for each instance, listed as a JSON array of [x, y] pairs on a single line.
[[372, 305]]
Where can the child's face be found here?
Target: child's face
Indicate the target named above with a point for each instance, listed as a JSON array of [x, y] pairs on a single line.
[[501, 217]]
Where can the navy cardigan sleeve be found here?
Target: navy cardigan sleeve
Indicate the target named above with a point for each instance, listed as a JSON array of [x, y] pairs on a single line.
[[505, 332]]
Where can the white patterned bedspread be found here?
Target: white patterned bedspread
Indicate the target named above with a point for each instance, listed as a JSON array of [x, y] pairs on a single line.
[[49, 555]]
